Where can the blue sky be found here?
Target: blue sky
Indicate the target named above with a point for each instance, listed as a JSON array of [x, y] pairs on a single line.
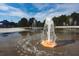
[[15, 11]]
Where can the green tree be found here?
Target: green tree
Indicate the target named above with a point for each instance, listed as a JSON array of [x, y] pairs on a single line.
[[58, 21], [75, 17], [32, 22], [39, 24], [23, 22]]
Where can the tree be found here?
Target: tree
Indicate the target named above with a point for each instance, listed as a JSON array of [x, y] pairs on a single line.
[[75, 17], [58, 21], [32, 21], [39, 24], [43, 23], [23, 22], [13, 24], [6, 23]]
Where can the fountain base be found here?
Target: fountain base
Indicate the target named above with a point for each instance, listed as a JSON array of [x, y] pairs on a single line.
[[48, 43]]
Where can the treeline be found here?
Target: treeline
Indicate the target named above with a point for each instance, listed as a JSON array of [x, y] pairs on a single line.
[[70, 20], [32, 22], [24, 22], [63, 20]]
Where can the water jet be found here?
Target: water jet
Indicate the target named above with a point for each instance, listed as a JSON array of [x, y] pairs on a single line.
[[49, 35]]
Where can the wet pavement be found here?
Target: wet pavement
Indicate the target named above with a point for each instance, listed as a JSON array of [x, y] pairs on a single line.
[[68, 44]]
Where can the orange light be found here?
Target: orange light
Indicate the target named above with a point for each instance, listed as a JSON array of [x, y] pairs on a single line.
[[48, 43]]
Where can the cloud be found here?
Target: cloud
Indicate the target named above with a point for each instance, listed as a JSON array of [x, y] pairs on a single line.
[[40, 6], [3, 7], [61, 9], [65, 9], [11, 11], [47, 10]]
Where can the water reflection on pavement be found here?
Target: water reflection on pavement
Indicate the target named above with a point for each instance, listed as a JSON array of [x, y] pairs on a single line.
[[68, 43]]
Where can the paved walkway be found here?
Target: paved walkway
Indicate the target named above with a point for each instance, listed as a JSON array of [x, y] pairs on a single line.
[[4, 30]]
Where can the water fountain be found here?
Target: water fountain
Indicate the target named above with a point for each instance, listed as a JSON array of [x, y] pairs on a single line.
[[49, 33], [34, 26], [70, 21], [34, 23], [31, 45]]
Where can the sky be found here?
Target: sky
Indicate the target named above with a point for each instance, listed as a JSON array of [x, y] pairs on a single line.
[[15, 11]]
